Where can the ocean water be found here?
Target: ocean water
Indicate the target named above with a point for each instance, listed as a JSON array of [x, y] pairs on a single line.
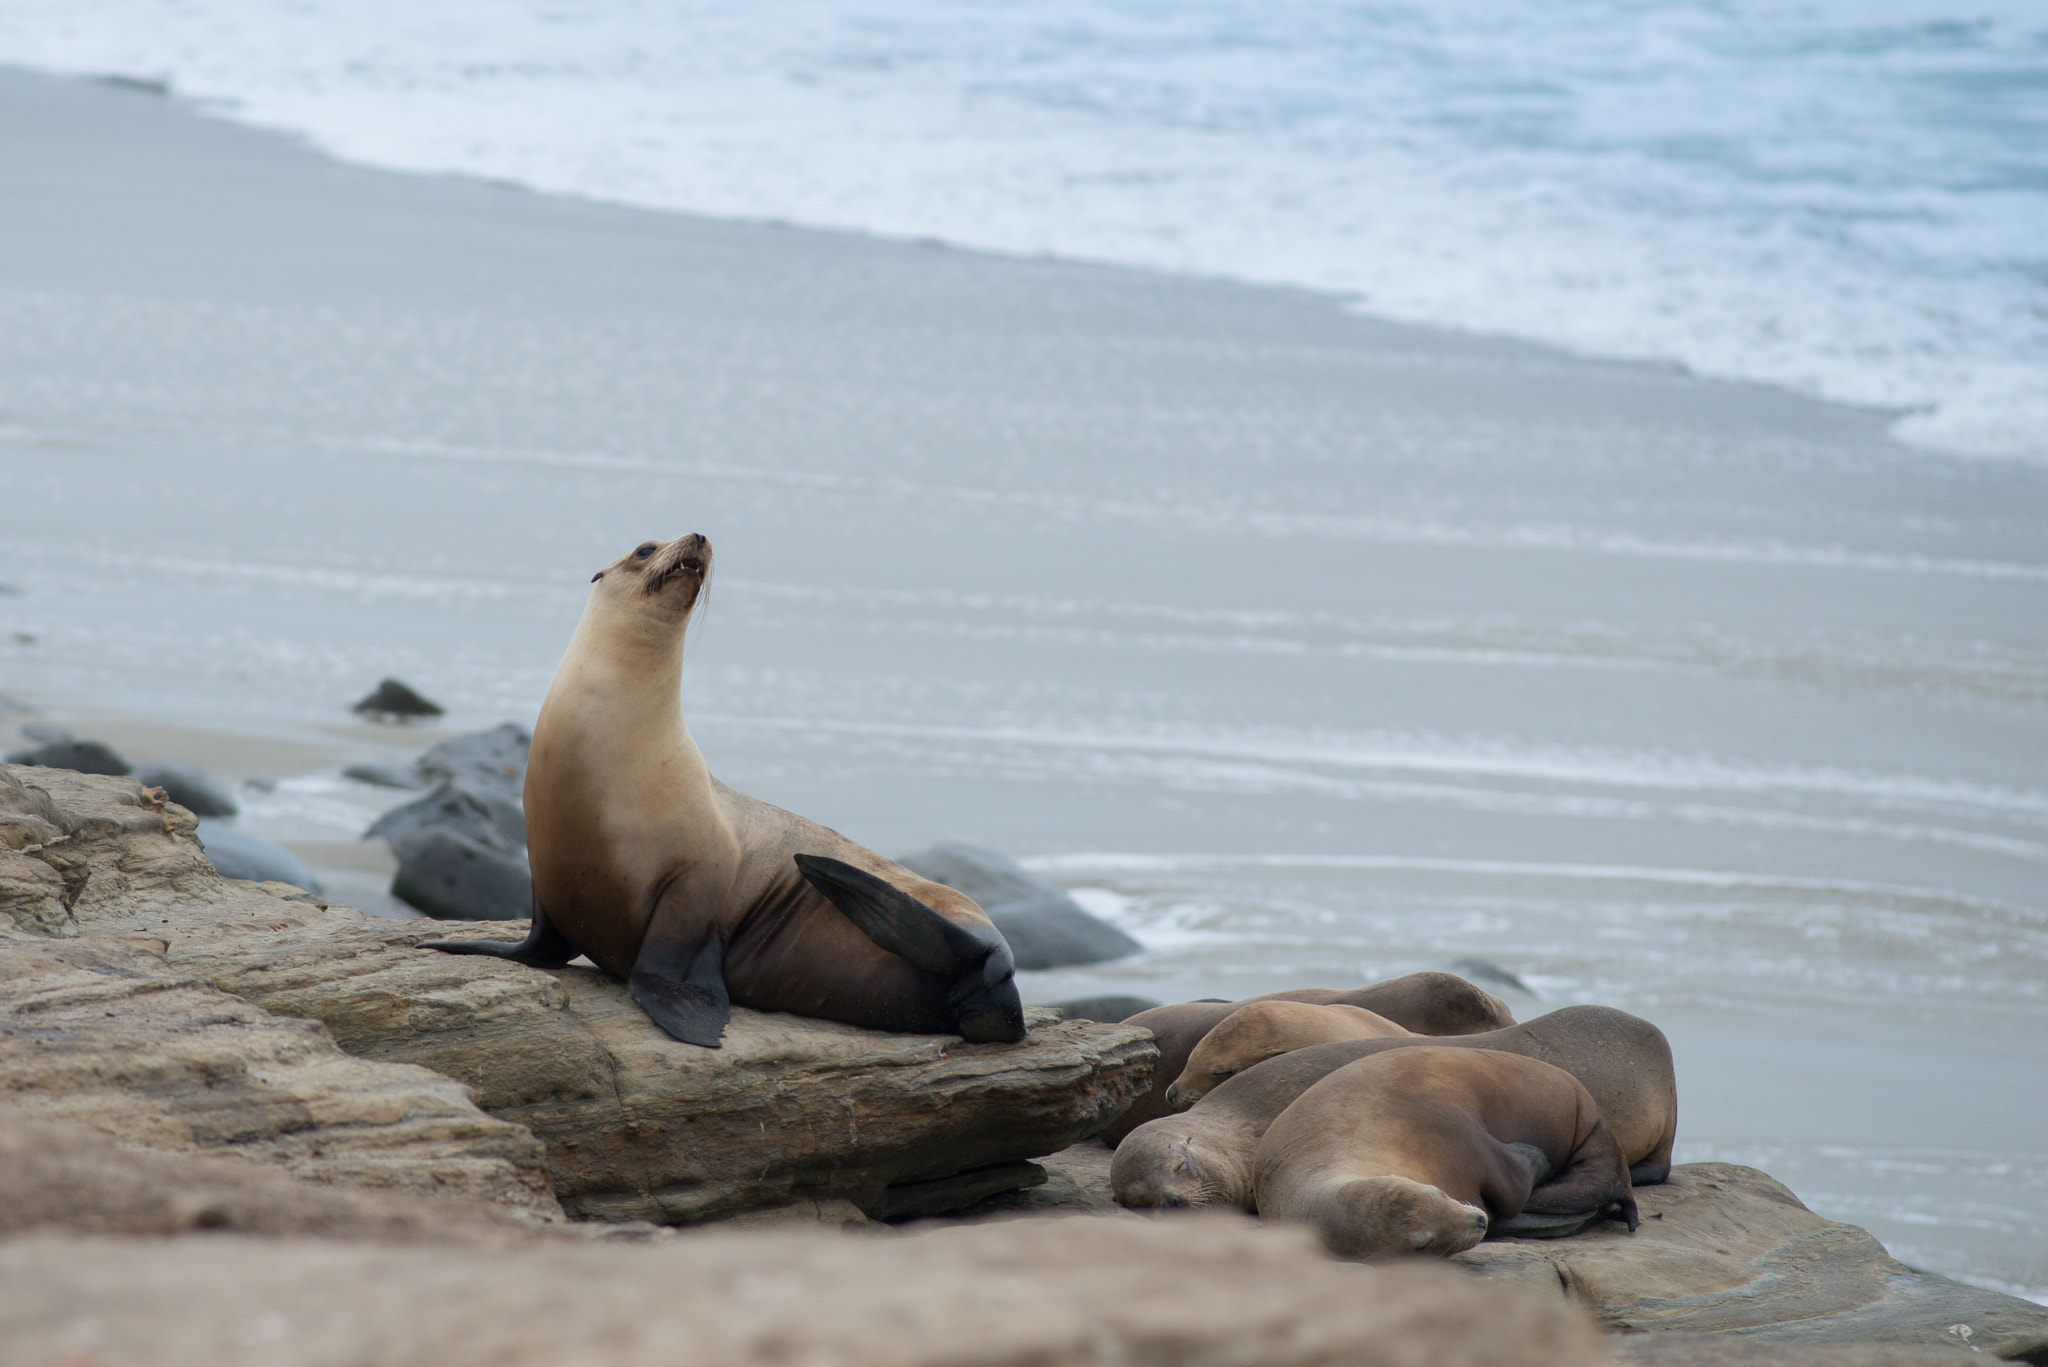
[[1845, 197]]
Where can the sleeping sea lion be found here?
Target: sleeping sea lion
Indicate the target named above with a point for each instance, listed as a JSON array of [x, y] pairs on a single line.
[[1260, 1030], [1203, 1156], [1427, 1003], [1424, 1149], [698, 896]]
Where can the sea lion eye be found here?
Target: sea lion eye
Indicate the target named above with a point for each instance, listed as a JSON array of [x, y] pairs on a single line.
[[649, 549]]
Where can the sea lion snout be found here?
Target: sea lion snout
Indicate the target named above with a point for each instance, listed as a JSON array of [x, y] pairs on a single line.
[[685, 558]]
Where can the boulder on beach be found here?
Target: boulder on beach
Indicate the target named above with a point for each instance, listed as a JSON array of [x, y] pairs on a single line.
[[392, 698], [80, 756], [1045, 928], [461, 847], [383, 775], [449, 875], [238, 854], [485, 816], [191, 787]]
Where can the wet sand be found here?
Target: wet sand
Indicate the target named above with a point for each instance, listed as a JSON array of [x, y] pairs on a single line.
[[1695, 698]]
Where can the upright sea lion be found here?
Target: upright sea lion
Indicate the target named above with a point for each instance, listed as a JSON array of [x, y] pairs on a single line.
[[1423, 1149], [1260, 1030], [1427, 1003], [1203, 1156], [698, 896]]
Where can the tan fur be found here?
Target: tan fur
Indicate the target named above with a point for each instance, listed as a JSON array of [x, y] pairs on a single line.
[[624, 817], [1260, 1030], [1440, 1119]]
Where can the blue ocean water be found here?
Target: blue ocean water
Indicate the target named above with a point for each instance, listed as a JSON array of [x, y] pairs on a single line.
[[1845, 197]]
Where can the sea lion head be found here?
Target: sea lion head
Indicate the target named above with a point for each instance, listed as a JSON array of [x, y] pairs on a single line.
[[1162, 1166], [661, 580], [1374, 1217], [1260, 1030]]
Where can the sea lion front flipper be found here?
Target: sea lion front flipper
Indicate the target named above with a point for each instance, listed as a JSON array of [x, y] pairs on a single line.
[[543, 947], [895, 920], [681, 985]]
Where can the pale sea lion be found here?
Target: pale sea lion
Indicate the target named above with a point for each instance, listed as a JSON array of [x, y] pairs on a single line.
[[1260, 1030], [698, 896], [1426, 1003], [1203, 1156], [1422, 1149]]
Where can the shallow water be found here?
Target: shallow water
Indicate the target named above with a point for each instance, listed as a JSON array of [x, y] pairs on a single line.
[[1311, 649]]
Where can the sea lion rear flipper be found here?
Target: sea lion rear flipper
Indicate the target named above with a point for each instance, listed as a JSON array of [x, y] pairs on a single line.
[[681, 985], [895, 920], [543, 947]]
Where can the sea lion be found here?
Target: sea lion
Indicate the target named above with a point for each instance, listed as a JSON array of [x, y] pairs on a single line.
[[1203, 1156], [1424, 1149], [1258, 1031], [1427, 1003], [698, 896]]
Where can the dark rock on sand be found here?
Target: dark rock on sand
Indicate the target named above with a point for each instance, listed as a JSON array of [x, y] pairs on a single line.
[[395, 699], [486, 816], [1045, 927], [383, 775], [238, 854], [493, 760], [191, 787], [446, 874], [81, 756], [1107, 1009]]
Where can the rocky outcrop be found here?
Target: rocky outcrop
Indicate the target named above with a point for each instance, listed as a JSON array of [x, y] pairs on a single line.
[[1726, 1250], [634, 1125], [63, 1177], [1079, 1291], [105, 1036]]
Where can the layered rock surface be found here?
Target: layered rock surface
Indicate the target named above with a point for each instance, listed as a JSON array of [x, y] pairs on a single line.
[[1727, 1250], [1075, 1291], [635, 1126]]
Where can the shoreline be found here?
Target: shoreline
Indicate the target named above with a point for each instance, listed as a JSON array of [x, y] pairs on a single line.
[[229, 111]]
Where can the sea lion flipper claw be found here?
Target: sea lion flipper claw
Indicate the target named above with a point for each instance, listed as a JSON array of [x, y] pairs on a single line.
[[893, 919], [543, 947], [682, 987]]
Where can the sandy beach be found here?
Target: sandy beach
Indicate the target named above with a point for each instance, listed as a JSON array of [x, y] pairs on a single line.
[[1308, 648]]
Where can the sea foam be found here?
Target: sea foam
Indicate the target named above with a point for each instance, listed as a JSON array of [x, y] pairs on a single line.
[[1849, 198]]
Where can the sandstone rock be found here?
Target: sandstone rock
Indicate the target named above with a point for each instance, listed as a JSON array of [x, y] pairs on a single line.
[[1724, 1249], [1716, 1350], [190, 786], [1071, 1291], [1045, 928], [105, 1036], [62, 1177], [636, 1126]]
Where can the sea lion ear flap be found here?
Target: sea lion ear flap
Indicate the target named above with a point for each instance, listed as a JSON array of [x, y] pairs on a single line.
[[893, 919]]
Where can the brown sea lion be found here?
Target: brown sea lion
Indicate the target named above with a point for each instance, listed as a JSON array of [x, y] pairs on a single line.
[[698, 896], [1203, 1156], [1258, 1031], [1427, 1003], [1423, 1149]]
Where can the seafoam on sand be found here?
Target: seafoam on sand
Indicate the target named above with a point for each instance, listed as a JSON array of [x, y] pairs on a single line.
[[1844, 197]]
